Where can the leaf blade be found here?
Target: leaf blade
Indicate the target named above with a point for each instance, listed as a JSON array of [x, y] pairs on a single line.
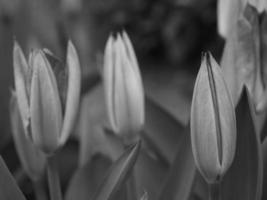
[[244, 178], [118, 173], [8, 188]]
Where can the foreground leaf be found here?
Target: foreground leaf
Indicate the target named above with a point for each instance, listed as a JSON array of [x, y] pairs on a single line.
[[179, 181], [118, 173], [8, 188], [243, 181]]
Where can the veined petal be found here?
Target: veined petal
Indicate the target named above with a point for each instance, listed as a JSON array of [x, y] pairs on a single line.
[[73, 92], [45, 107], [20, 76]]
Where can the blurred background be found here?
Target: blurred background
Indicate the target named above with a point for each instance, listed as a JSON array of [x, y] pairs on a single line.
[[168, 37]]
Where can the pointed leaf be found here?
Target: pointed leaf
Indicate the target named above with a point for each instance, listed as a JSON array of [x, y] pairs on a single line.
[[8, 188], [118, 174], [243, 181]]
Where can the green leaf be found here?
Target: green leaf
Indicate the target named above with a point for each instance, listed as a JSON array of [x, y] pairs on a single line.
[[162, 131], [118, 173], [180, 178], [8, 187], [243, 181]]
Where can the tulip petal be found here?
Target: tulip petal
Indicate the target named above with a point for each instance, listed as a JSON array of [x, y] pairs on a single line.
[[73, 92], [20, 76], [119, 97], [130, 54], [61, 75], [132, 58], [45, 107], [228, 14], [226, 115], [132, 91], [109, 80], [31, 158]]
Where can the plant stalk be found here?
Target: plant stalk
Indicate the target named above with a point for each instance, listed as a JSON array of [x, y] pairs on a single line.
[[131, 187], [215, 191], [39, 190], [53, 179]]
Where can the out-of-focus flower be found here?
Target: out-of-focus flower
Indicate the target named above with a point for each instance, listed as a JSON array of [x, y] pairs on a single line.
[[123, 86], [213, 123], [244, 59], [32, 159], [71, 6], [48, 95], [230, 11]]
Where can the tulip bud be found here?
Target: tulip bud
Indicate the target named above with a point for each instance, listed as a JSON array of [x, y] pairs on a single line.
[[32, 159], [48, 95], [123, 86], [213, 124]]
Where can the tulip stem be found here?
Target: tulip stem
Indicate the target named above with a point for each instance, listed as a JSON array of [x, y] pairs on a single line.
[[39, 190], [131, 187], [131, 182], [53, 179], [215, 191]]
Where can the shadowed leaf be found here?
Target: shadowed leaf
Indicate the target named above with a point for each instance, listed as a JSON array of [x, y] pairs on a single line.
[[8, 188], [243, 181]]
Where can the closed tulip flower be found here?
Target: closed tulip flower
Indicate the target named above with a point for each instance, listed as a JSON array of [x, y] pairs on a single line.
[[123, 86], [48, 95], [213, 123]]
